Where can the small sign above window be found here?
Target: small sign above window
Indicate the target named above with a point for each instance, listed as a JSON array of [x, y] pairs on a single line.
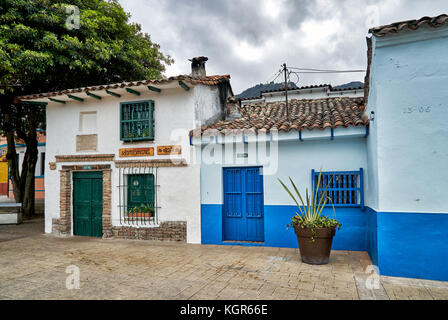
[[136, 152], [168, 150]]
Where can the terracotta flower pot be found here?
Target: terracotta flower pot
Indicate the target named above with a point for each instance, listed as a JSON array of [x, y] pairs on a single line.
[[317, 252], [139, 215]]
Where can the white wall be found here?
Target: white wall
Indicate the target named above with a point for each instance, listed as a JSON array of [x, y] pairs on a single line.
[[295, 160], [408, 144], [179, 192], [208, 107]]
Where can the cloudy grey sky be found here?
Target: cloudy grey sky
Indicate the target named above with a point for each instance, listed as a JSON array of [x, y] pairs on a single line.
[[250, 39]]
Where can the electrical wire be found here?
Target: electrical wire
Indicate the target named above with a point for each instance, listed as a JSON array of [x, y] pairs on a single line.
[[275, 76], [299, 71], [327, 72], [309, 70], [278, 75], [296, 74]]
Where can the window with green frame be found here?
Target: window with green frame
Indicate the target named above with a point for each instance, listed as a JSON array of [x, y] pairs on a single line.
[[141, 196], [137, 120]]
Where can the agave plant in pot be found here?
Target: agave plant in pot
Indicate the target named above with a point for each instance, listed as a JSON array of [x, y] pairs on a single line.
[[314, 230]]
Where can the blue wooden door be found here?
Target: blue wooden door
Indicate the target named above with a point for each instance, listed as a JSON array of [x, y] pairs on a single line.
[[243, 218]]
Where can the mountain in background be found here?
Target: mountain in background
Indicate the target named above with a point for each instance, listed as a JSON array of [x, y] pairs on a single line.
[[350, 85], [255, 91]]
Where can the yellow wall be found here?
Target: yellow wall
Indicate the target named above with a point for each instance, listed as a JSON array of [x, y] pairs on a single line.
[[3, 167]]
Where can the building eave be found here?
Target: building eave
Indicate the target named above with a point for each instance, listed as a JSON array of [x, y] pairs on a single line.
[[121, 89]]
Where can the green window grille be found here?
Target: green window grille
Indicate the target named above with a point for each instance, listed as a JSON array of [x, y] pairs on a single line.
[[140, 190], [138, 196], [137, 120]]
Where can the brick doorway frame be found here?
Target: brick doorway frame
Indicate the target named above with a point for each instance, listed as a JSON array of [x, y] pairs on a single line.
[[63, 224]]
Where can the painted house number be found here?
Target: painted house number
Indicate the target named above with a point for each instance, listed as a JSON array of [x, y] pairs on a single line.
[[410, 110]]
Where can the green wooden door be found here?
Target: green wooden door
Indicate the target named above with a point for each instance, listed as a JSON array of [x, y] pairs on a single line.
[[88, 204], [140, 190]]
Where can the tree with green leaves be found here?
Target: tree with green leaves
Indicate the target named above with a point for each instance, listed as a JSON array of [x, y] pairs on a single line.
[[50, 45]]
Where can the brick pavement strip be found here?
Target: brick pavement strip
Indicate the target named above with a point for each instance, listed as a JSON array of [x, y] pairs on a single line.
[[33, 266]]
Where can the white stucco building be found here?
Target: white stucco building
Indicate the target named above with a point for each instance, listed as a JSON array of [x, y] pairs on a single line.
[[322, 91], [407, 149], [118, 156], [175, 159]]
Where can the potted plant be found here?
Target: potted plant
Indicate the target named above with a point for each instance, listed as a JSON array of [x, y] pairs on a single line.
[[149, 210], [143, 211], [314, 230]]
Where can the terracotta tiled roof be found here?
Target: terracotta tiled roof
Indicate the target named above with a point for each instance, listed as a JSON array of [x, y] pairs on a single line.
[[211, 80], [303, 114], [208, 81], [397, 27]]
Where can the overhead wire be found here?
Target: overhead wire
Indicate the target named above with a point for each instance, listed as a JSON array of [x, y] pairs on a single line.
[[310, 70], [299, 71], [275, 76]]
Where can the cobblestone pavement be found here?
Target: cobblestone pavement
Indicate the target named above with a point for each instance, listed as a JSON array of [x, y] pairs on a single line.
[[33, 266]]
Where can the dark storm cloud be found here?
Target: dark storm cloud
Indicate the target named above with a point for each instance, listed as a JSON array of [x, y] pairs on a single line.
[[297, 11], [243, 19], [250, 39]]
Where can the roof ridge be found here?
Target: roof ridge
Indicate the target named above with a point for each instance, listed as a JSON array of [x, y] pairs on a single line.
[[331, 87], [415, 24], [261, 103]]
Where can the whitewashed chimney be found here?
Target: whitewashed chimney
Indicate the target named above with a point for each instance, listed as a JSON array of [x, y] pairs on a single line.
[[198, 67]]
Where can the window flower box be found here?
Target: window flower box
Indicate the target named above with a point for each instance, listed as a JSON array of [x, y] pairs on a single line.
[[143, 211]]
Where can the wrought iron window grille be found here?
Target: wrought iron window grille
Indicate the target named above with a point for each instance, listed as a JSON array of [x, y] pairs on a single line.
[[138, 200]]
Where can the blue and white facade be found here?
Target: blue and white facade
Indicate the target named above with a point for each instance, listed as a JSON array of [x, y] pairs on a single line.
[[402, 153], [235, 158], [296, 159], [407, 154]]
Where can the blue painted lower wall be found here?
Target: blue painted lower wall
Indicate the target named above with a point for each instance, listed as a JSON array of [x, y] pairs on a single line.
[[413, 245], [372, 236], [352, 235]]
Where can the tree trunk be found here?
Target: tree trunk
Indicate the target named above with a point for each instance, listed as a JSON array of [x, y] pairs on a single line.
[[28, 174], [23, 183]]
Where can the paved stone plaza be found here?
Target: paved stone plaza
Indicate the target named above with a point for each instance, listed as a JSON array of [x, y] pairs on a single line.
[[33, 266]]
